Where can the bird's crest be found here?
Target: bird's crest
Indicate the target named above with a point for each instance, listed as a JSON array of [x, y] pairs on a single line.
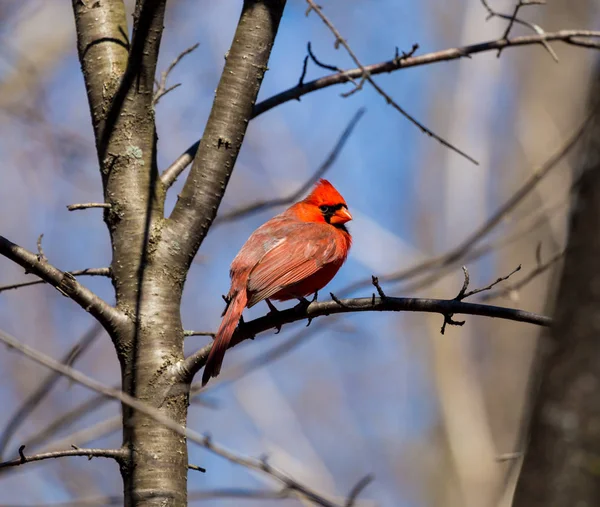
[[324, 193]]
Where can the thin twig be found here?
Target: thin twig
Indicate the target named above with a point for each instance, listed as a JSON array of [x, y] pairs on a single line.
[[366, 76], [572, 37], [512, 19], [463, 294], [88, 205], [198, 333], [259, 206], [41, 257], [358, 489], [117, 454], [81, 272], [541, 268], [162, 88]]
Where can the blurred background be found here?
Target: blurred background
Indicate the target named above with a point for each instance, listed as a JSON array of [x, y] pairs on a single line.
[[432, 417]]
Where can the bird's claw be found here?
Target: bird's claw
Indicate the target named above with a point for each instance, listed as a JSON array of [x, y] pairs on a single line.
[[273, 311]]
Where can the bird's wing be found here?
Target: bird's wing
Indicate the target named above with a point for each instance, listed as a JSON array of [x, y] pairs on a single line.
[[301, 252]]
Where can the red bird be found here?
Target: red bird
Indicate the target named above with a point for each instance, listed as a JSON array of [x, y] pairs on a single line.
[[294, 254]]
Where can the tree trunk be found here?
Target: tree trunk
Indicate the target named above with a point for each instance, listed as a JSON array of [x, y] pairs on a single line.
[[562, 463]]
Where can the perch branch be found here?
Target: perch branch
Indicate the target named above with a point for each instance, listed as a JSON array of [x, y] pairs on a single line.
[[197, 360]]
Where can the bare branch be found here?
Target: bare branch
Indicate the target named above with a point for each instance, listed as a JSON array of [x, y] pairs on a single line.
[[116, 454], [155, 414], [366, 76], [573, 37], [541, 268], [46, 385], [162, 88], [81, 272], [196, 361], [463, 294], [259, 206], [87, 205], [65, 283], [262, 465], [358, 489]]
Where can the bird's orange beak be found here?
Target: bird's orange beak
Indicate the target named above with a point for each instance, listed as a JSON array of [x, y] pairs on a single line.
[[341, 216]]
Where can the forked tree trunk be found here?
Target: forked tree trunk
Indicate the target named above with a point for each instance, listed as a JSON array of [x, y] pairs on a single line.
[[152, 253]]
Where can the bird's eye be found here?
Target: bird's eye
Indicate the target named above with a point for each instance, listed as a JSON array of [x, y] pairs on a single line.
[[325, 209]]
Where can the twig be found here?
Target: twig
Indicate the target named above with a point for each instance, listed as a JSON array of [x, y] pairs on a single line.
[[491, 285], [65, 283], [46, 385], [41, 257], [196, 361], [541, 268], [259, 206], [140, 406], [366, 76], [197, 468], [463, 294], [512, 19], [358, 489], [87, 205], [162, 88], [81, 272], [572, 37], [116, 454], [198, 333], [303, 74]]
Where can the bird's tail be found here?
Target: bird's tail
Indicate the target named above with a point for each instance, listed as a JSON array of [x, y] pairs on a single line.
[[224, 334]]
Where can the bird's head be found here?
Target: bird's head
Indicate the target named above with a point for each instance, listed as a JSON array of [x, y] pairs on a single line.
[[326, 204]]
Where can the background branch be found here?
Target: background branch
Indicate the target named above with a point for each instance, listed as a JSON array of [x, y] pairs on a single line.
[[259, 206], [573, 37]]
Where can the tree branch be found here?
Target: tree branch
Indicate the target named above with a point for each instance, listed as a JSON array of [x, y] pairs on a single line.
[[155, 414], [65, 283], [224, 133], [80, 272], [366, 76], [197, 360], [34, 399], [572, 37], [116, 454]]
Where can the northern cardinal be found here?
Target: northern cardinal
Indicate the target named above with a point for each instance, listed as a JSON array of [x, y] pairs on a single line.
[[294, 254]]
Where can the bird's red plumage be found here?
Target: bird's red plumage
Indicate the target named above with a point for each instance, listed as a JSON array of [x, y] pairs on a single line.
[[293, 255]]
